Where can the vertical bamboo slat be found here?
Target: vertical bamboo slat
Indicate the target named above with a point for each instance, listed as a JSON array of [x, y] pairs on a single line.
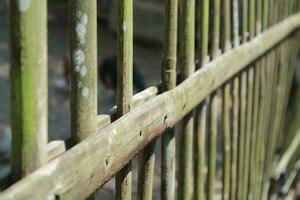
[[28, 48], [146, 161], [249, 109], [235, 109], [201, 110], [242, 119], [84, 69], [213, 109], [265, 160], [265, 80], [168, 74], [186, 60], [258, 104], [226, 110], [124, 84]]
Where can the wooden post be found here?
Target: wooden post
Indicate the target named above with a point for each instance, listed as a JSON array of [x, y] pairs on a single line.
[[124, 84], [187, 64], [84, 69], [28, 45], [168, 74]]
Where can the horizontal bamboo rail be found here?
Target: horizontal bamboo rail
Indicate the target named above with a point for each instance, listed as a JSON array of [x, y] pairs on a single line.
[[86, 167]]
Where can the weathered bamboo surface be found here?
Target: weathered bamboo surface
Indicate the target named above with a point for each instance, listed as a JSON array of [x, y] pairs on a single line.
[[186, 59], [88, 165], [124, 84], [168, 77], [28, 55], [84, 69]]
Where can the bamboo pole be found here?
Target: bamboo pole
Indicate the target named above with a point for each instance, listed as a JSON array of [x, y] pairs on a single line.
[[242, 121], [187, 63], [254, 132], [259, 148], [273, 102], [53, 180], [292, 125], [291, 50], [84, 69], [28, 57], [146, 161], [287, 82], [248, 132], [245, 22], [124, 84], [226, 109], [168, 76], [200, 140], [258, 105], [235, 109], [269, 159], [266, 81], [201, 110], [272, 116], [213, 109], [249, 108], [277, 119]]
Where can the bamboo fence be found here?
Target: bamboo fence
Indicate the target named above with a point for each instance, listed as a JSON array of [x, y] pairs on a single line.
[[236, 61]]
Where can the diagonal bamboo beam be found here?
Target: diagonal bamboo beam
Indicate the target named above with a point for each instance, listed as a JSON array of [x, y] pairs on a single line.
[[88, 165]]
